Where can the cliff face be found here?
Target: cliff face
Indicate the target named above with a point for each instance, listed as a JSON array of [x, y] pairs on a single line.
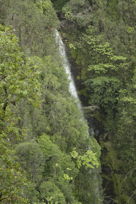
[[47, 155]]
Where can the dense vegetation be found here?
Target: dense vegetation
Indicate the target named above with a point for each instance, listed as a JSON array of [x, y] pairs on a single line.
[[101, 37], [47, 155]]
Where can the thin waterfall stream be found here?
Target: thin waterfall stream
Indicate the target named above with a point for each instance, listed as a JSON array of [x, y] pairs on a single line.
[[66, 65]]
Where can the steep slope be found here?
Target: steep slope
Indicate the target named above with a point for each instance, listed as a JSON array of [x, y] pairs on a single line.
[[47, 155]]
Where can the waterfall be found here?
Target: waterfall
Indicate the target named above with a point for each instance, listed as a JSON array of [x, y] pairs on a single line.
[[66, 65]]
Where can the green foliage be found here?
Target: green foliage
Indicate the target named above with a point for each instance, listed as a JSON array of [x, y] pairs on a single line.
[[13, 71], [48, 12], [50, 193], [58, 4], [74, 12], [89, 159], [12, 178], [31, 159], [28, 19], [101, 69], [57, 163]]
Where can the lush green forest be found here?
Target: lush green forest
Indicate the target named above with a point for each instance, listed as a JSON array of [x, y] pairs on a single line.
[[48, 152]]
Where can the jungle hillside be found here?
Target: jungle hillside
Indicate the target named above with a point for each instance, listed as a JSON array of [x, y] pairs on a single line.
[[53, 148]]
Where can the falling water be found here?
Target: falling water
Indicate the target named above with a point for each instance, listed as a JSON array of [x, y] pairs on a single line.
[[62, 51]]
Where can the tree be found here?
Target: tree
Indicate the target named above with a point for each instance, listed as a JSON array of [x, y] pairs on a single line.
[[31, 159]]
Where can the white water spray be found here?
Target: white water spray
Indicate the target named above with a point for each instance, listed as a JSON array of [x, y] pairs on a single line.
[[66, 65]]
